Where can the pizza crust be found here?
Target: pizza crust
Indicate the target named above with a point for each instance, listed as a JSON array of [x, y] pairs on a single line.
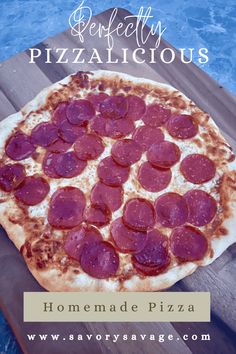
[[7, 126], [54, 279]]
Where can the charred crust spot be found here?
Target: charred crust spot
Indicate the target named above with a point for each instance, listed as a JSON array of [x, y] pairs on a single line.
[[211, 253], [218, 152], [19, 216], [101, 87], [126, 276], [231, 158], [212, 149], [222, 231], [44, 252], [199, 116], [46, 248], [226, 187], [205, 137], [63, 270], [127, 88], [34, 226], [76, 271], [214, 226], [46, 235], [82, 74], [82, 79], [40, 264], [26, 249], [37, 157], [178, 103], [197, 142]]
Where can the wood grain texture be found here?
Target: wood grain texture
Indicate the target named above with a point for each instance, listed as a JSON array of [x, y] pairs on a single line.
[[19, 83]]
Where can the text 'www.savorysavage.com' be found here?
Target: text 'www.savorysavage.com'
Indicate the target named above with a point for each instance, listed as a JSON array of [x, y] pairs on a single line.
[[161, 338]]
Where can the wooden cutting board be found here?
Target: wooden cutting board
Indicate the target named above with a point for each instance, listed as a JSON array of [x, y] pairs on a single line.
[[19, 83]]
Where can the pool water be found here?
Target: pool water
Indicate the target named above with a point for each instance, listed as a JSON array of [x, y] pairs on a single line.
[[189, 23]]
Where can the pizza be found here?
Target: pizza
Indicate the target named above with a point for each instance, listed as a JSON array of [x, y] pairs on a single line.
[[110, 182]]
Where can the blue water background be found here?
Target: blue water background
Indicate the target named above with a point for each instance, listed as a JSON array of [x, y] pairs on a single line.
[[208, 23]]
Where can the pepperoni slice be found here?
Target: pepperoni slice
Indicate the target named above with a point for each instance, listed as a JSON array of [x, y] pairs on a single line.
[[126, 239], [19, 146], [114, 129], [69, 132], [79, 112], [66, 208], [97, 214], [201, 206], [114, 107], [164, 154], [59, 146], [136, 107], [197, 168], [154, 257], [119, 128], [156, 115], [49, 164], [32, 191], [100, 260], [68, 165], [112, 197], [171, 210], [188, 244], [88, 147], [79, 237], [59, 114], [112, 174], [145, 136], [98, 125], [97, 99], [182, 126], [153, 179], [11, 176], [139, 214], [126, 152], [44, 134]]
